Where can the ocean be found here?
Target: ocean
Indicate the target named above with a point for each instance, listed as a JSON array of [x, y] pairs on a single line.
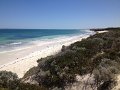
[[13, 38]]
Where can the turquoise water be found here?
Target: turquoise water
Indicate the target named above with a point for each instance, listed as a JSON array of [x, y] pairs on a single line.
[[17, 37]]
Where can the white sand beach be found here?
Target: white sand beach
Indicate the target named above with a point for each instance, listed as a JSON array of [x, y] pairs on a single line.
[[21, 60], [101, 31]]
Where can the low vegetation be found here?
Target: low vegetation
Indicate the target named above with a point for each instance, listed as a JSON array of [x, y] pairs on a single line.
[[10, 81]]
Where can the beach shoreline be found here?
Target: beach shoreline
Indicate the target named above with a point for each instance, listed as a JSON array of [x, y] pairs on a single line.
[[29, 55], [21, 60]]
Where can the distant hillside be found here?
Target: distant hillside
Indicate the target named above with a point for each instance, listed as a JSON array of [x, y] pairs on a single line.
[[104, 29]]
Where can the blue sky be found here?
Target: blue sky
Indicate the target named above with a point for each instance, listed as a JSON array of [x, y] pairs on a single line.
[[59, 13]]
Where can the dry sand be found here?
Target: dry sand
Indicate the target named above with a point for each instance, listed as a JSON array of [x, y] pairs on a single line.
[[101, 31], [21, 60]]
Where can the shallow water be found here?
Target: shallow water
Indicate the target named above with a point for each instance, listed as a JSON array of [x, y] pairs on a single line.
[[14, 38]]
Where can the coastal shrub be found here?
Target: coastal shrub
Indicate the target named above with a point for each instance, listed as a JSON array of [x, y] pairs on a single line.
[[4, 89], [6, 78], [27, 86], [105, 73], [57, 69], [31, 72], [98, 55], [92, 46], [63, 48], [10, 81]]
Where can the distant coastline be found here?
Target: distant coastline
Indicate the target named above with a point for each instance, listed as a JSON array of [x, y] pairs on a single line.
[[105, 29]]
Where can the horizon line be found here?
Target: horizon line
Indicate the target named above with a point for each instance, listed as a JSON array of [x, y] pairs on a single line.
[[44, 28]]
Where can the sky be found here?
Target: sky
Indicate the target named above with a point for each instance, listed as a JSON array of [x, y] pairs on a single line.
[[59, 14]]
